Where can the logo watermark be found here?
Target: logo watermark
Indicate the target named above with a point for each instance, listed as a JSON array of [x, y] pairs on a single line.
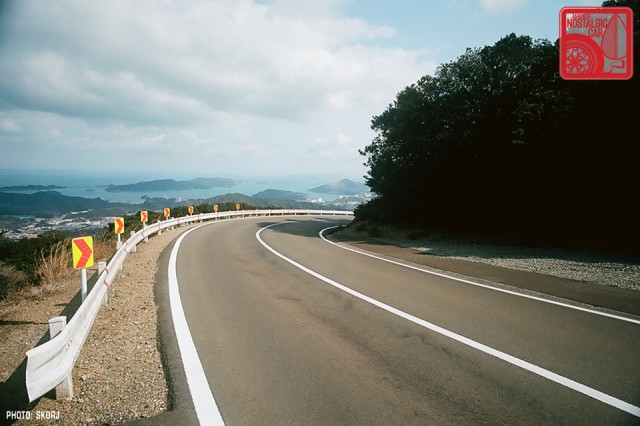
[[596, 43], [32, 415]]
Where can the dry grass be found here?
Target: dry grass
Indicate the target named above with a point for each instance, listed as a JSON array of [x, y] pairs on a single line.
[[103, 248], [54, 265], [57, 264]]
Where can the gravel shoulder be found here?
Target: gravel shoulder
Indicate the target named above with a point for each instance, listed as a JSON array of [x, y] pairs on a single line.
[[597, 279], [589, 267], [119, 376]]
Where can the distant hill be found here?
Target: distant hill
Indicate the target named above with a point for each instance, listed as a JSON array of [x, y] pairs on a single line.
[[278, 194], [230, 198], [51, 203], [172, 185], [343, 187], [263, 202], [30, 188]]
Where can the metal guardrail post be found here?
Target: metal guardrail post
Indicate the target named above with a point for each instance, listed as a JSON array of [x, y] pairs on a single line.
[[101, 267], [64, 389], [133, 249]]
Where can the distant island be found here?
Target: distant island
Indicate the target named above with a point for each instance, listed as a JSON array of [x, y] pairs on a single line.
[[278, 194], [173, 185], [19, 188], [50, 203], [342, 187]]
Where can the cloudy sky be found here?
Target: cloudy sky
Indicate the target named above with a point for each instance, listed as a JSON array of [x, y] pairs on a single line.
[[225, 87]]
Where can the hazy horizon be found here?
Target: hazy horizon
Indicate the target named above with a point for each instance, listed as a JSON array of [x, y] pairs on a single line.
[[93, 185]]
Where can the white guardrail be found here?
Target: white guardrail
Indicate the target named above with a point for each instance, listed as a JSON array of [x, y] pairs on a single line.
[[50, 364]]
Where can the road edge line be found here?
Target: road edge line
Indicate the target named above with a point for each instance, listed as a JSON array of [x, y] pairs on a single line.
[[203, 400]]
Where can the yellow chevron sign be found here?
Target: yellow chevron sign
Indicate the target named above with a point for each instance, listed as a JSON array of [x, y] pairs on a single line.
[[82, 249]]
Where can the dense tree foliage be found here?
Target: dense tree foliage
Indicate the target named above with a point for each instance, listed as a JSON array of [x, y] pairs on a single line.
[[497, 142]]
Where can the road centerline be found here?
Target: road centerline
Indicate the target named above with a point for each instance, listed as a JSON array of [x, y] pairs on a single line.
[[564, 381]]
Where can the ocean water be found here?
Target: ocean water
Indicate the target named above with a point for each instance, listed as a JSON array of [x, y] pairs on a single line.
[[93, 185]]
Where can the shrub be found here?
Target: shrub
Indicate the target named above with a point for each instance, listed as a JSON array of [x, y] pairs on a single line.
[[11, 280], [374, 231], [360, 227], [42, 261], [54, 264]]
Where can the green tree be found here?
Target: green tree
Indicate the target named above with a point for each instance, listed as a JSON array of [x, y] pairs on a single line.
[[496, 142]]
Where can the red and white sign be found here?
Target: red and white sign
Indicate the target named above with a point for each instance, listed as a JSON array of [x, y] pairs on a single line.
[[596, 43]]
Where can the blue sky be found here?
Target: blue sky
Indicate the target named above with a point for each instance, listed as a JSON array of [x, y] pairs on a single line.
[[225, 87]]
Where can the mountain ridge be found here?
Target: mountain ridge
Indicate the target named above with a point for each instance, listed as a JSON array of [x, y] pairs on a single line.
[[342, 187], [52, 203], [279, 194], [173, 185]]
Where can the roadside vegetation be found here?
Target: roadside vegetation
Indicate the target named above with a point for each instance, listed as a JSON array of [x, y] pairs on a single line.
[[496, 143], [32, 266]]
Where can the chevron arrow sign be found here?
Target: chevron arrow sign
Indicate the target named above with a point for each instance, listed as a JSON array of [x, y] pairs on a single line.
[[82, 252]]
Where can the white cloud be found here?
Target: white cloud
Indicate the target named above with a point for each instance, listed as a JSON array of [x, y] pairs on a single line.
[[338, 147], [221, 80], [177, 63], [9, 126]]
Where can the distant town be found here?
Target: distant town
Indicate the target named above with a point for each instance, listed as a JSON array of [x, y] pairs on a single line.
[[43, 209]]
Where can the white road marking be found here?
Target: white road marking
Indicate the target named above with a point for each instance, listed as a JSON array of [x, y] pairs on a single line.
[[564, 381], [203, 401], [514, 293]]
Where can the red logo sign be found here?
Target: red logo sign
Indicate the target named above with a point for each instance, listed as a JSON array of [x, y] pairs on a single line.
[[596, 43], [144, 216]]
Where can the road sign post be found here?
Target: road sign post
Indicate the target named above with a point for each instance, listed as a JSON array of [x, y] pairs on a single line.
[[83, 284], [82, 249]]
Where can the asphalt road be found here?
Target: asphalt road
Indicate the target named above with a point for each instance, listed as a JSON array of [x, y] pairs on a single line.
[[280, 346]]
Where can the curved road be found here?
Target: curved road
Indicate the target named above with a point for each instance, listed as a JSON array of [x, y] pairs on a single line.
[[400, 346]]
